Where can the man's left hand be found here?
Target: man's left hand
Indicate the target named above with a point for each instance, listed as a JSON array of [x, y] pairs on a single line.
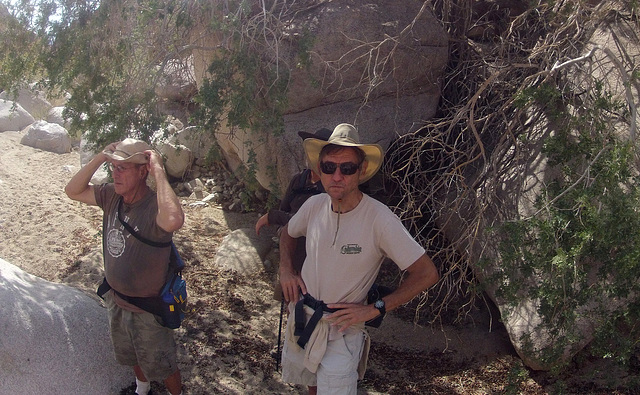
[[155, 164], [351, 314]]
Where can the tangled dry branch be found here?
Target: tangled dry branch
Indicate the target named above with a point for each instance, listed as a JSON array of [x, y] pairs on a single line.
[[449, 176]]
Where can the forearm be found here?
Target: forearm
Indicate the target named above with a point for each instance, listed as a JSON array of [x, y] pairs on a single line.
[[279, 217], [170, 215], [290, 281], [287, 249], [422, 274], [78, 187]]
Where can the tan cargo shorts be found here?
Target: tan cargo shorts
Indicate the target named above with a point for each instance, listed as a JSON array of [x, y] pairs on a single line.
[[139, 339], [337, 373]]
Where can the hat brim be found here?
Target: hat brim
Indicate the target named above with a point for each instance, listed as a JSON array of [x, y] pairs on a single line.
[[373, 155], [138, 158]]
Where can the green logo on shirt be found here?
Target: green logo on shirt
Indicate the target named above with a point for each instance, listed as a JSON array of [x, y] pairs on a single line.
[[351, 249]]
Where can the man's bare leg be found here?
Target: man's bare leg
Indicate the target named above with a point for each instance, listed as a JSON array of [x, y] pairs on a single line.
[[174, 383], [141, 380]]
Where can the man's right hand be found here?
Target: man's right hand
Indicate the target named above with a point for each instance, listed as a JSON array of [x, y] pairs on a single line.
[[78, 188], [290, 281], [292, 285], [262, 221], [111, 148]]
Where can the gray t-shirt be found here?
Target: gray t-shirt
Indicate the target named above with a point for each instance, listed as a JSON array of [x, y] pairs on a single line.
[[132, 267]]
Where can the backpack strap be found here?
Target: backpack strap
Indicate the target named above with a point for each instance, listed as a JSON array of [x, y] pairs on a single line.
[[302, 180], [152, 304], [135, 234], [302, 188]]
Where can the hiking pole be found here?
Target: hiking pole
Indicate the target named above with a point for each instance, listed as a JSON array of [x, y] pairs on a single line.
[[280, 334]]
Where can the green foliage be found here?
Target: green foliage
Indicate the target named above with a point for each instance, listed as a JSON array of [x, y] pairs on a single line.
[[516, 377], [249, 91], [103, 54], [245, 89], [111, 57], [579, 256]]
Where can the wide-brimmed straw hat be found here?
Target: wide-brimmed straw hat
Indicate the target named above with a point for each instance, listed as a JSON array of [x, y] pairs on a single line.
[[320, 134], [130, 150], [347, 136]]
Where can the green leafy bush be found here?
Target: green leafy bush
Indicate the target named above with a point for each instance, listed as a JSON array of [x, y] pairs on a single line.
[[579, 255]]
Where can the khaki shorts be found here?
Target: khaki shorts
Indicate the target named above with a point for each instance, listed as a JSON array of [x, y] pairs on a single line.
[[139, 339], [338, 370]]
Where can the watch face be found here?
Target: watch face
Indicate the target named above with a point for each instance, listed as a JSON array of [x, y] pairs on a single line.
[[379, 304]]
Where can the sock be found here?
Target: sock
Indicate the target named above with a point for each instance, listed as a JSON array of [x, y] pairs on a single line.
[[142, 387]]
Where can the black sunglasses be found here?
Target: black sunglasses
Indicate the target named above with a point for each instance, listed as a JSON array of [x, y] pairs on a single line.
[[346, 168]]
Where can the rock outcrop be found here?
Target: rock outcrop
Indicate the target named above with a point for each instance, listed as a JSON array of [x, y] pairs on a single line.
[[48, 137], [55, 339], [376, 65], [13, 117]]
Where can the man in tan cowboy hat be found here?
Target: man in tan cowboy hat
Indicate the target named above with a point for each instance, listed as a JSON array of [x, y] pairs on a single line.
[[131, 267], [348, 236]]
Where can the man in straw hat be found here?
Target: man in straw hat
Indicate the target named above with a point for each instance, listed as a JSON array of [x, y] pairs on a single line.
[[132, 267], [348, 234]]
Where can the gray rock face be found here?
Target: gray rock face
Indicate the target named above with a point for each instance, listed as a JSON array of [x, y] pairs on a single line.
[[32, 100], [375, 65], [54, 339], [13, 117], [243, 251], [47, 136]]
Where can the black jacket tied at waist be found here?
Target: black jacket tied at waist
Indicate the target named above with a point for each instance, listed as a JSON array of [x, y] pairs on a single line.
[[304, 331]]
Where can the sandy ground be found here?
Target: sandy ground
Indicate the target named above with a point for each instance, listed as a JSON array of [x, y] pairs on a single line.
[[228, 335]]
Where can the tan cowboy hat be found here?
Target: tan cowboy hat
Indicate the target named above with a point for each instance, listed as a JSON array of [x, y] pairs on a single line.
[[347, 136], [130, 150]]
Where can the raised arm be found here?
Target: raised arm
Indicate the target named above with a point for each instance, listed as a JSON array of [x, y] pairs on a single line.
[[78, 187], [170, 215]]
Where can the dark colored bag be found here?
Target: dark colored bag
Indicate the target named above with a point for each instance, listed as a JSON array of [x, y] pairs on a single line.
[[376, 292], [174, 293], [171, 304]]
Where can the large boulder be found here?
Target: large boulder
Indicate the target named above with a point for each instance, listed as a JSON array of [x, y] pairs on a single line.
[[31, 99], [13, 117], [243, 251], [178, 159], [375, 65], [86, 154], [197, 142], [55, 116], [536, 337], [177, 82], [54, 339], [176, 87], [47, 136]]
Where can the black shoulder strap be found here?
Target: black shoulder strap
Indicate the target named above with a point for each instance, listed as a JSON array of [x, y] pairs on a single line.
[[136, 235], [302, 180], [302, 188]]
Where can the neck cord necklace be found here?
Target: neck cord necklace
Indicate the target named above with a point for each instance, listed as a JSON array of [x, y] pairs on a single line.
[[335, 236]]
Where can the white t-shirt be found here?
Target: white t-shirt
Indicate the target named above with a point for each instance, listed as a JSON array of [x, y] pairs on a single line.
[[344, 270]]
